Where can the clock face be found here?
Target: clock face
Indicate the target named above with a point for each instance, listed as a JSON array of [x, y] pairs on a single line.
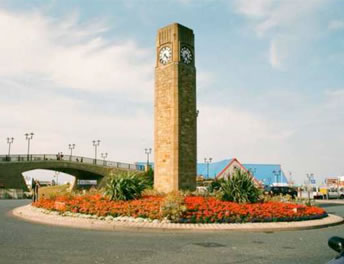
[[165, 55], [186, 55]]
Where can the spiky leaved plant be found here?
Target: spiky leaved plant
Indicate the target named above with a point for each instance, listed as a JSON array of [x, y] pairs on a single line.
[[125, 185], [239, 188], [215, 185]]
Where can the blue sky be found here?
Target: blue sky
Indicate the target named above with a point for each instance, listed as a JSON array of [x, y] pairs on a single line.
[[270, 79]]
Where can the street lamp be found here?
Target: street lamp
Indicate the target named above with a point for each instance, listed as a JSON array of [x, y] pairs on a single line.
[[28, 137], [277, 173], [148, 151], [57, 177], [71, 147], [104, 156], [9, 142], [208, 161], [96, 144], [310, 178]]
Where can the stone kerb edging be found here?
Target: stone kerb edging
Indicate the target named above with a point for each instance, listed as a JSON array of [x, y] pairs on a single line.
[[33, 214]]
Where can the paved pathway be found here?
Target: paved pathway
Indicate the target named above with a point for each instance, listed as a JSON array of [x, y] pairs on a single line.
[[25, 242]]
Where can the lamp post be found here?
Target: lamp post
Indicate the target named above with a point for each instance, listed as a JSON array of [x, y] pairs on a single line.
[[277, 173], [28, 137], [309, 177], [207, 162], [104, 156], [96, 144], [71, 147], [9, 142], [57, 177], [148, 151]]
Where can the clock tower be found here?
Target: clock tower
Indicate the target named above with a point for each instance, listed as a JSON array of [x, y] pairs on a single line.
[[175, 117]]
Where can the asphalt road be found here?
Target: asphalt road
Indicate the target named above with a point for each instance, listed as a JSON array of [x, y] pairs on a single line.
[[24, 242]]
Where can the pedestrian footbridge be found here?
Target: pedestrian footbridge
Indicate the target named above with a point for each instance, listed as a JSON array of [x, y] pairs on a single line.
[[82, 168]]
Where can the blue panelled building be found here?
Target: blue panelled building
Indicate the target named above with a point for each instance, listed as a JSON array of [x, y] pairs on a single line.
[[265, 174]]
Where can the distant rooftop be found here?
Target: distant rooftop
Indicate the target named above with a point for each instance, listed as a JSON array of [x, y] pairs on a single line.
[[266, 173], [214, 168]]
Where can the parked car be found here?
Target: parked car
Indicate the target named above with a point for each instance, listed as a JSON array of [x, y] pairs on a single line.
[[341, 193], [337, 244], [331, 193], [284, 190]]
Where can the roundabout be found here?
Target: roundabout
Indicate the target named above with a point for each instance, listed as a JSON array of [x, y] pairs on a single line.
[[29, 242], [43, 216]]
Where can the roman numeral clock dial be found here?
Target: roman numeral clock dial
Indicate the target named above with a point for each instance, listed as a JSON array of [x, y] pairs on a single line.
[[165, 55], [186, 55]]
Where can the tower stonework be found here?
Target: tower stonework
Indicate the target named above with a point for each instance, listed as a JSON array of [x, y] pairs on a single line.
[[175, 131]]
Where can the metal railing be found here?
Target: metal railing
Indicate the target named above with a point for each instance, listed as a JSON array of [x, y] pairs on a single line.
[[69, 158]]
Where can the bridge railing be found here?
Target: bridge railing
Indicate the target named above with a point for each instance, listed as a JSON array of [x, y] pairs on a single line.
[[80, 159]]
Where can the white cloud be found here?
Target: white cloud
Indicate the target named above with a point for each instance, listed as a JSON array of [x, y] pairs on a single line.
[[281, 46], [293, 19], [68, 84], [335, 99], [336, 24], [39, 56], [73, 56], [256, 9], [58, 121], [227, 131], [275, 60], [279, 126], [204, 80]]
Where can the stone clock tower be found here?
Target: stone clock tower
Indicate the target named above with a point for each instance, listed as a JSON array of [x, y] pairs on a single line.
[[175, 138]]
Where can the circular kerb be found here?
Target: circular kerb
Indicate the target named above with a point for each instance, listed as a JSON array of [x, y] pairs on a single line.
[[37, 215]]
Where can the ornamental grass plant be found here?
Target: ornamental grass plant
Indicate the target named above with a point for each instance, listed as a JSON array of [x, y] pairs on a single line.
[[239, 188], [125, 186]]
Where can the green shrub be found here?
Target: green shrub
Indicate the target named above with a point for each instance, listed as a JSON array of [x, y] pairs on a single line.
[[125, 186], [149, 177], [239, 188], [173, 206], [215, 185]]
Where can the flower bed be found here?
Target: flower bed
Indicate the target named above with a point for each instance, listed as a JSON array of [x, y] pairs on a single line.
[[198, 209], [211, 210]]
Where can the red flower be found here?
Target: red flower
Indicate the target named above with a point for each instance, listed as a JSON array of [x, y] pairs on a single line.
[[199, 209]]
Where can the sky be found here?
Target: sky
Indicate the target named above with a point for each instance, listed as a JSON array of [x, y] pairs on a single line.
[[270, 82]]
